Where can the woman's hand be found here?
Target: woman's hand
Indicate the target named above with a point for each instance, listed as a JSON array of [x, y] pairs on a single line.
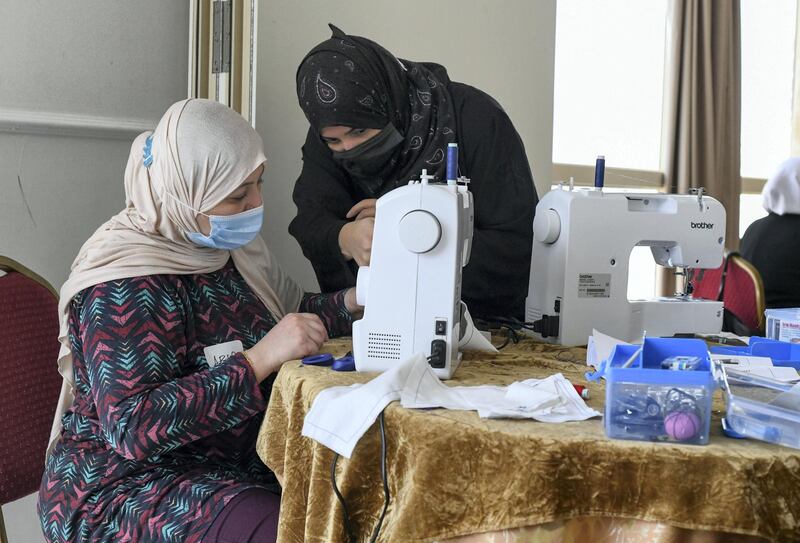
[[355, 240], [296, 335], [351, 304], [363, 209]]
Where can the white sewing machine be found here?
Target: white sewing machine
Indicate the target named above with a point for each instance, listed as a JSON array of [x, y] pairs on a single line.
[[411, 291], [583, 239]]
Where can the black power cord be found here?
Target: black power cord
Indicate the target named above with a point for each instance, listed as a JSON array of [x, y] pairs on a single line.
[[511, 336], [497, 322], [383, 480], [339, 496], [350, 536], [512, 327]]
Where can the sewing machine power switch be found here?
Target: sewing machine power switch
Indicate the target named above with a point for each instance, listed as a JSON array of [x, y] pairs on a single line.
[[438, 350], [441, 328]]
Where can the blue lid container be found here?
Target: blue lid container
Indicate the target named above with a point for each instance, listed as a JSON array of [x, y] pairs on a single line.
[[647, 402], [782, 353]]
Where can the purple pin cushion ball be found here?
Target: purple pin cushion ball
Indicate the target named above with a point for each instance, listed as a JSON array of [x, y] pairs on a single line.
[[682, 425]]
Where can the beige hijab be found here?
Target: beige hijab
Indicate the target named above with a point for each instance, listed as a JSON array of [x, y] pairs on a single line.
[[202, 151]]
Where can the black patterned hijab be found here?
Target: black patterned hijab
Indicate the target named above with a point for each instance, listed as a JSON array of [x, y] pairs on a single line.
[[352, 81]]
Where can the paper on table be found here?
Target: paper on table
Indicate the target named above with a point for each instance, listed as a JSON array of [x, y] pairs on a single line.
[[757, 365], [741, 361], [473, 339], [600, 347], [779, 373]]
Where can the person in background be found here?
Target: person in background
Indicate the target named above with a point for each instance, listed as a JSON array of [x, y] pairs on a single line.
[[175, 320], [772, 243], [376, 122]]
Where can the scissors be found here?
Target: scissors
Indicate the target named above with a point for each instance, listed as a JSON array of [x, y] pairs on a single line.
[[324, 359], [345, 363]]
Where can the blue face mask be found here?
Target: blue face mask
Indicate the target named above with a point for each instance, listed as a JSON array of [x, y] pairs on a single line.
[[231, 231]]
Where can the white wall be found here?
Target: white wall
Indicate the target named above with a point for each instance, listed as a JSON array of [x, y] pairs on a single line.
[[78, 81], [504, 48]]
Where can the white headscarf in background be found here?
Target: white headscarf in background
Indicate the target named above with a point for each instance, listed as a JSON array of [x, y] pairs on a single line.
[[781, 194], [202, 151]]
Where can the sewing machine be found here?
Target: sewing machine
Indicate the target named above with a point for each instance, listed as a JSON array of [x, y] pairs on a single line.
[[411, 291], [583, 239]]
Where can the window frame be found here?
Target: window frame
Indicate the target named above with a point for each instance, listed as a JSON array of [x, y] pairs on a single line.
[[235, 88]]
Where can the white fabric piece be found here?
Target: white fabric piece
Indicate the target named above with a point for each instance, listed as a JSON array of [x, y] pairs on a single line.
[[535, 393], [566, 406], [339, 416], [781, 193], [553, 399], [202, 151]]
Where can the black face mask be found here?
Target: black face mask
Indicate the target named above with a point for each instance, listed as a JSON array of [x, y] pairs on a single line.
[[370, 158]]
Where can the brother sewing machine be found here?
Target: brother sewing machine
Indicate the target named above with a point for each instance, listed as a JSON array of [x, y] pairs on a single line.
[[583, 239], [411, 291]]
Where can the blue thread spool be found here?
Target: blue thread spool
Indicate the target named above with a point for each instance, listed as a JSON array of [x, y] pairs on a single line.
[[452, 163], [599, 172]]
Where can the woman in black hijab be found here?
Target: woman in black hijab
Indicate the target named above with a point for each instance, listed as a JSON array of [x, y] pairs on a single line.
[[376, 122]]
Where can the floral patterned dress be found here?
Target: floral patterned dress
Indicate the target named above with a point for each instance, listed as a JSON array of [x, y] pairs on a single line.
[[157, 440]]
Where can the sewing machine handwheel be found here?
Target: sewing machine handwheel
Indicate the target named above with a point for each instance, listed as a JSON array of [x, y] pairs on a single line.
[[546, 226], [419, 231]]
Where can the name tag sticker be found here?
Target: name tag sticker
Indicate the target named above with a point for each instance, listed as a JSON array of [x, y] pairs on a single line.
[[215, 354]]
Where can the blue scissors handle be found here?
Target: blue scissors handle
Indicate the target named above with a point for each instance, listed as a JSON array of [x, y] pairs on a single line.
[[324, 359], [345, 363]]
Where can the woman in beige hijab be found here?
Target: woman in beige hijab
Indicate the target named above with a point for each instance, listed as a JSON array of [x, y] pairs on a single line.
[[175, 319]]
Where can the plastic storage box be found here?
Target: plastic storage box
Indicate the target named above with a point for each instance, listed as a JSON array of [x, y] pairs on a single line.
[[782, 353], [783, 324], [647, 402], [763, 408]]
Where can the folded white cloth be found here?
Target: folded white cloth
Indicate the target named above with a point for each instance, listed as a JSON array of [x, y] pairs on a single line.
[[553, 399], [339, 416]]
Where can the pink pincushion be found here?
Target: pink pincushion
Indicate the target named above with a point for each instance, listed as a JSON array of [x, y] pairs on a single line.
[[682, 425]]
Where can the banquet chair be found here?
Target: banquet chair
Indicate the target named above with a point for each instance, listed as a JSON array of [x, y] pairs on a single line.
[[29, 379], [738, 285]]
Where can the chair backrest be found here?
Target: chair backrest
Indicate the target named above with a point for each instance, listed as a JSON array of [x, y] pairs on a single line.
[[29, 380], [738, 285]]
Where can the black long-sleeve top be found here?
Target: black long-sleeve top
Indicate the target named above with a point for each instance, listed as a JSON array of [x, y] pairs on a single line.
[[772, 244], [491, 154]]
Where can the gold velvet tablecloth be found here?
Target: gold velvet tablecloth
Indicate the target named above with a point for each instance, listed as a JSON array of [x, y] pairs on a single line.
[[452, 473]]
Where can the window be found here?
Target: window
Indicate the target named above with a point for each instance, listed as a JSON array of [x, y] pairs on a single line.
[[768, 57], [608, 88], [768, 30], [608, 96]]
